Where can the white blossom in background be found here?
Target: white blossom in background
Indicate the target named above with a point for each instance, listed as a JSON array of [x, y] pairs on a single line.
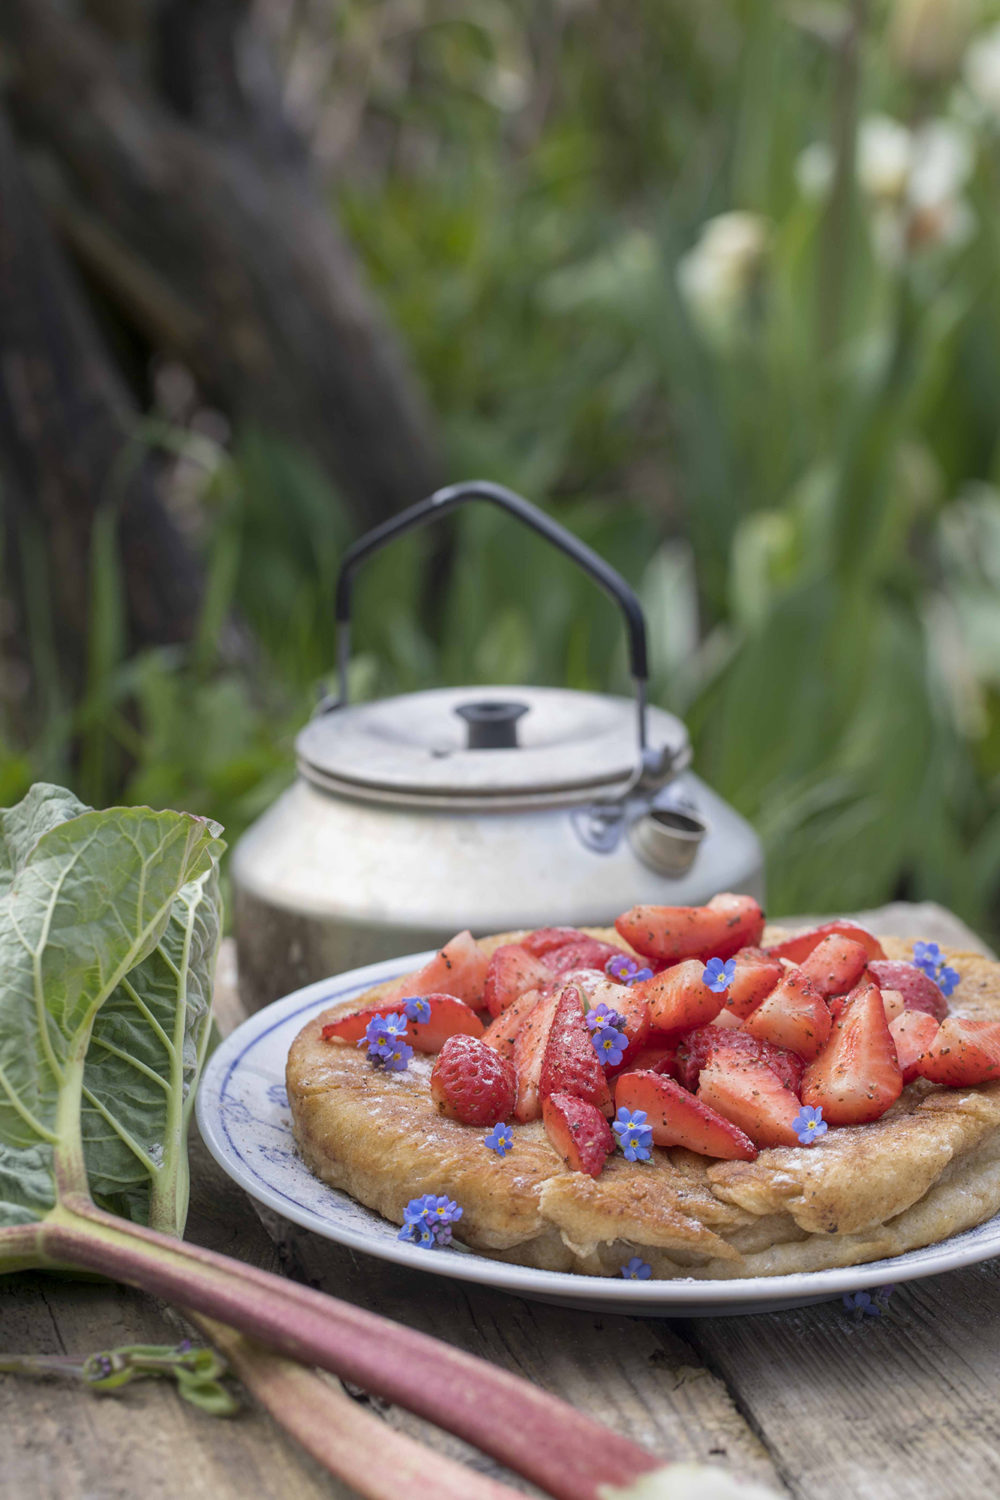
[[981, 71], [943, 162], [718, 273], [913, 180], [884, 157], [943, 157], [814, 170]]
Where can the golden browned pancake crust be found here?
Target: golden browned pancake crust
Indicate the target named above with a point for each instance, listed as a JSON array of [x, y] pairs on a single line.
[[929, 1168]]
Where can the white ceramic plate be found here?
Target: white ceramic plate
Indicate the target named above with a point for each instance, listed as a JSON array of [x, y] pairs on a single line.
[[243, 1115]]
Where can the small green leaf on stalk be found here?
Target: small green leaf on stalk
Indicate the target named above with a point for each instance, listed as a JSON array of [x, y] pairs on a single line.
[[197, 1371]]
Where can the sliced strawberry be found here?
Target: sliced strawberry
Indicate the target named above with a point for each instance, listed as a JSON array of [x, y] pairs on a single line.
[[473, 1083], [679, 998], [918, 990], [651, 1060], [963, 1053], [835, 964], [679, 1119], [587, 953], [727, 1020], [672, 933], [501, 1034], [856, 1077], [755, 977], [839, 1003], [636, 1024], [511, 971], [753, 1098], [709, 1044], [912, 1033], [744, 923], [529, 1054], [579, 1132], [448, 1017], [794, 1015], [570, 1064], [459, 969], [892, 1004], [625, 1000], [545, 940], [801, 944]]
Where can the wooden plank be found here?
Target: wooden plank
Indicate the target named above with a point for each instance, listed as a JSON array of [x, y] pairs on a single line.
[[63, 1440], [895, 1408]]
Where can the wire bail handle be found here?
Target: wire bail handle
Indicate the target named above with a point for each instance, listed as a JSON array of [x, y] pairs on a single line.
[[653, 763]]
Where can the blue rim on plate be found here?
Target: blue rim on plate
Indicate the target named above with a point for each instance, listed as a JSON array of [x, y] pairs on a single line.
[[243, 1117]]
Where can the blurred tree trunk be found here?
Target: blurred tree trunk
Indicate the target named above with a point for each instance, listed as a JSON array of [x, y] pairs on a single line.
[[148, 139], [65, 420], [159, 141]]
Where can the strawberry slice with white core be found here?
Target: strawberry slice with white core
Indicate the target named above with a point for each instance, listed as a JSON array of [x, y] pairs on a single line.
[[579, 1132], [512, 970], [570, 1063], [529, 1054], [912, 1033], [857, 1076], [752, 1098], [801, 944], [918, 990], [754, 978], [892, 1002], [726, 1020], [669, 934], [963, 1053], [502, 1033], [679, 998], [794, 1016], [459, 969], [835, 964], [677, 1118], [473, 1083], [627, 1002], [435, 1019]]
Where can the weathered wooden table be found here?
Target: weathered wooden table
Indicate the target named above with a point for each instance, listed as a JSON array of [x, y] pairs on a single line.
[[821, 1406]]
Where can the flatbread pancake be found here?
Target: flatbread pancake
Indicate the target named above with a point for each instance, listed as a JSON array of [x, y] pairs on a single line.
[[929, 1168]]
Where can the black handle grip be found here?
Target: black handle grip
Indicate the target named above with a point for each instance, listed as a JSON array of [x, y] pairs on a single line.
[[447, 499]]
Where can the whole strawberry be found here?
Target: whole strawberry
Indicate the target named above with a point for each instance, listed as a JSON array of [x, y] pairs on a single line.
[[471, 1082]]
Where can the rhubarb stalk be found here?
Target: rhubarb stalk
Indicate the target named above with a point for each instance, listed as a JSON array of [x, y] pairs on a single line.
[[529, 1431], [364, 1451]]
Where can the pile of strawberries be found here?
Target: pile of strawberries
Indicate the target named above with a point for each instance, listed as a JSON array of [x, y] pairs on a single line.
[[719, 1059]]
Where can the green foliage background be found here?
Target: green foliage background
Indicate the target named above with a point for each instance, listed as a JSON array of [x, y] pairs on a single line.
[[802, 483]]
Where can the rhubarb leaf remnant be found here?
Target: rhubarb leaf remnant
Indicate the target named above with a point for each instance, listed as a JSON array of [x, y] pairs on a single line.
[[197, 1371], [86, 900]]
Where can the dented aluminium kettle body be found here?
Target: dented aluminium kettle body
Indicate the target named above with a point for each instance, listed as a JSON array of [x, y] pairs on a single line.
[[492, 808]]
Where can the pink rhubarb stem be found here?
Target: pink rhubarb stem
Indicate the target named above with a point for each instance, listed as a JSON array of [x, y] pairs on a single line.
[[359, 1448], [534, 1434]]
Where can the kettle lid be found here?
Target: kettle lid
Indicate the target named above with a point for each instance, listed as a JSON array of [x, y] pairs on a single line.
[[469, 747]]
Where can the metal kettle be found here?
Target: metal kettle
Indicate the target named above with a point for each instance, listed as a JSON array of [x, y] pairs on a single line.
[[489, 808]]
